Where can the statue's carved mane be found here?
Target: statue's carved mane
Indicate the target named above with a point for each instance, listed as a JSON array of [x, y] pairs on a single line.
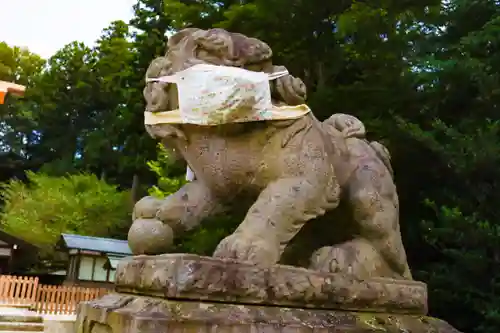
[[216, 46], [193, 46]]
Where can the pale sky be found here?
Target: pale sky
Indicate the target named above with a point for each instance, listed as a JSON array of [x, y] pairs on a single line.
[[45, 26]]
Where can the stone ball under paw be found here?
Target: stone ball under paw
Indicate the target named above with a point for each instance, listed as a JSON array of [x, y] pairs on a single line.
[[150, 236]]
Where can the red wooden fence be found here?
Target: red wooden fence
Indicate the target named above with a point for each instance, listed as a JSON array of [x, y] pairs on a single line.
[[19, 290]]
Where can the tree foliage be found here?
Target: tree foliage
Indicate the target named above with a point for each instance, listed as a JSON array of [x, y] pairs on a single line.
[[17, 116], [168, 172], [40, 210]]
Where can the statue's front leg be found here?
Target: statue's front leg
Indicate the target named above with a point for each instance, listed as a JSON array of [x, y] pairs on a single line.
[[157, 220], [275, 218]]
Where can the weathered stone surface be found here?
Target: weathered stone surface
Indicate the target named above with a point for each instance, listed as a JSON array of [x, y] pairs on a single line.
[[309, 188], [286, 174], [119, 313], [187, 276]]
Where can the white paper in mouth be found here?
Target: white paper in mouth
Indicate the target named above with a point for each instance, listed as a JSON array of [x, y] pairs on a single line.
[[214, 95]]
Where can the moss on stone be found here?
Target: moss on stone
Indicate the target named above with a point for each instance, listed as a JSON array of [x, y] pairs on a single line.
[[190, 316]]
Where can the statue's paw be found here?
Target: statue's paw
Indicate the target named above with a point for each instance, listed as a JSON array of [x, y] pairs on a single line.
[[146, 208], [329, 259], [253, 249], [357, 257], [173, 212], [150, 236]]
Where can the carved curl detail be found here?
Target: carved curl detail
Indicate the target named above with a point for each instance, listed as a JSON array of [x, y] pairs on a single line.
[[217, 47]]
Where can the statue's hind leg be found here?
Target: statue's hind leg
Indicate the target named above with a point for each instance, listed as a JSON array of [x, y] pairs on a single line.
[[376, 251], [357, 257], [376, 248]]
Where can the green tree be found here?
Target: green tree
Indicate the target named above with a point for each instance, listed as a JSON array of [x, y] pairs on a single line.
[[103, 142], [64, 104], [17, 123], [457, 135], [86, 107], [41, 210], [150, 25], [168, 172]]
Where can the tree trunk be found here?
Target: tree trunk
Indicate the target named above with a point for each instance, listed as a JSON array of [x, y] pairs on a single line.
[[103, 175], [134, 192]]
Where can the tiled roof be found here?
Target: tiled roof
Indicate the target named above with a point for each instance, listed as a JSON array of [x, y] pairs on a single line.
[[106, 245]]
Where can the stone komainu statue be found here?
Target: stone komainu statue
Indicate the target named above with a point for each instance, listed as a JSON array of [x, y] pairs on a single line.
[[317, 194]]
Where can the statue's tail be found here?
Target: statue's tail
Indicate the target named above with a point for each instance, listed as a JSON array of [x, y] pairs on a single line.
[[351, 127], [348, 126]]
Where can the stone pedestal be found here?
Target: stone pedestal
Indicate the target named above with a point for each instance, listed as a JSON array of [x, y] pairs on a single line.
[[189, 294]]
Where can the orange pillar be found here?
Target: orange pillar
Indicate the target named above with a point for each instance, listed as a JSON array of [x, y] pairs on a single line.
[[11, 88]]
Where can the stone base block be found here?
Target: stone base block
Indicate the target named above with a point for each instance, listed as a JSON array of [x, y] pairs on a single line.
[[192, 277], [121, 313], [183, 293]]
